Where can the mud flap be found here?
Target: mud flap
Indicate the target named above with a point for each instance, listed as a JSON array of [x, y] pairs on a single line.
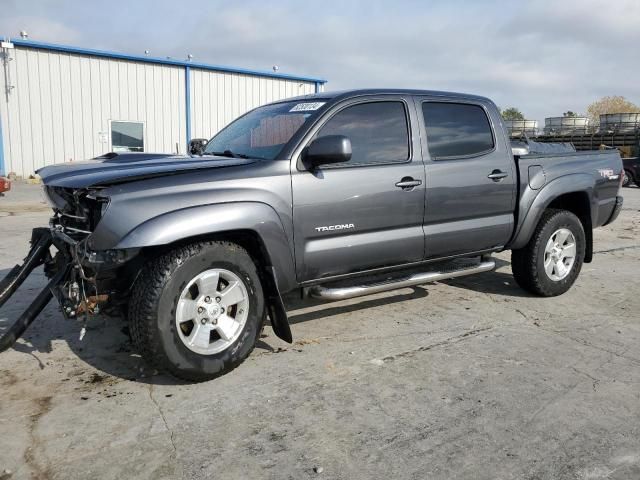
[[41, 240], [275, 307]]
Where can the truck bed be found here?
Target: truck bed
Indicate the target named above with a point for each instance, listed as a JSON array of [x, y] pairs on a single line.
[[595, 174]]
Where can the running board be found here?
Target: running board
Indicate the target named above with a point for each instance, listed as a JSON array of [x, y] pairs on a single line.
[[342, 293]]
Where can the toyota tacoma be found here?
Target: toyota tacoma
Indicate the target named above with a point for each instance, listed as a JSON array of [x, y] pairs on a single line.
[[335, 195]]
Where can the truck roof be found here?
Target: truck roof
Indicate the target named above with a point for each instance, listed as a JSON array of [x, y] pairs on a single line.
[[342, 94]]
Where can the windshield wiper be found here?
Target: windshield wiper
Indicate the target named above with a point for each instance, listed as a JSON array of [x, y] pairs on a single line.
[[228, 153]]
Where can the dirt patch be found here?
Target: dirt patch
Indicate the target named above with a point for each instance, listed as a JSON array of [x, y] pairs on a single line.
[[7, 378], [97, 378]]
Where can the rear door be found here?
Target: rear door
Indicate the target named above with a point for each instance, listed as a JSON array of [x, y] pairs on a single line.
[[359, 215], [470, 174]]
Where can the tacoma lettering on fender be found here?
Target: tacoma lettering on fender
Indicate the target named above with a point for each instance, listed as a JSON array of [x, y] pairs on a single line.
[[337, 195]]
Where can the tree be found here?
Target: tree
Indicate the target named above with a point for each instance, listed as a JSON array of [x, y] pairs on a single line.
[[612, 104], [512, 113], [569, 114]]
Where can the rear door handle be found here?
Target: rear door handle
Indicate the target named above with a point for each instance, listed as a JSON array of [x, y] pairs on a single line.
[[497, 175], [408, 183]]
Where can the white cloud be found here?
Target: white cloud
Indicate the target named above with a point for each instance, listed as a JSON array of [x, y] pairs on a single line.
[[542, 56]]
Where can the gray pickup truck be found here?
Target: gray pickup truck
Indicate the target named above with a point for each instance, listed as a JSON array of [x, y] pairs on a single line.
[[334, 194]]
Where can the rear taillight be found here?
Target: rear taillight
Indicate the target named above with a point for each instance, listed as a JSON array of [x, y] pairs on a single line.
[[621, 181]]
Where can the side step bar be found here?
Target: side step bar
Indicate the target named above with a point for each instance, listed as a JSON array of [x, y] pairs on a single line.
[[342, 293]]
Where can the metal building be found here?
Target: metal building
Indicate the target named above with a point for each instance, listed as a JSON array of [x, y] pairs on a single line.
[[62, 103]]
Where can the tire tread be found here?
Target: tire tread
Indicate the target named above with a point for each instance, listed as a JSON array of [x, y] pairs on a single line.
[[524, 260], [144, 303]]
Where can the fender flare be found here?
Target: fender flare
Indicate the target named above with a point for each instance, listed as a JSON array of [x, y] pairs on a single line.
[[533, 203], [202, 220]]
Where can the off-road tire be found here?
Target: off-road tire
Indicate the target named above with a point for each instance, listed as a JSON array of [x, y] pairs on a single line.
[[153, 303], [527, 263]]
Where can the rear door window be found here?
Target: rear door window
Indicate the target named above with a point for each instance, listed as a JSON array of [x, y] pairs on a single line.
[[456, 130]]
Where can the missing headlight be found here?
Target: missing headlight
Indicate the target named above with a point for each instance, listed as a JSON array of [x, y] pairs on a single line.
[[98, 199], [110, 257]]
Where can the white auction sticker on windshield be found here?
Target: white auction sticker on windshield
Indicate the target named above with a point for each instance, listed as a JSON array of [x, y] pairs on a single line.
[[307, 107]]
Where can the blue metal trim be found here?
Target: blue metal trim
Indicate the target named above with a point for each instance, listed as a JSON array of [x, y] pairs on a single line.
[[187, 99], [2, 172], [135, 58]]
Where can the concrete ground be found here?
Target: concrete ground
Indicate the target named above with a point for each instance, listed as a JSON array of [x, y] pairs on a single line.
[[471, 378]]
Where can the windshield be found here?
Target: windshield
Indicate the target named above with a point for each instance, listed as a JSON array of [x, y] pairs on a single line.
[[263, 132]]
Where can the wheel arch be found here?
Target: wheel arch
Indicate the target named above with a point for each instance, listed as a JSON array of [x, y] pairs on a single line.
[[255, 226], [254, 244], [573, 193]]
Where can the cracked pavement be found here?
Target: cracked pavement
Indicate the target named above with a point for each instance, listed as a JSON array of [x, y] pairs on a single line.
[[467, 378]]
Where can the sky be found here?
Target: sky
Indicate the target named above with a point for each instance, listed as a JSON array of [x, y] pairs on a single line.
[[543, 57]]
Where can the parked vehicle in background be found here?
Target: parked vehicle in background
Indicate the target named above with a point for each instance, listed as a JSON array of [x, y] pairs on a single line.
[[631, 171], [5, 185], [334, 194]]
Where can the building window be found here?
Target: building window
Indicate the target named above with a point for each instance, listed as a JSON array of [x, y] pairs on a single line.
[[127, 136], [456, 130]]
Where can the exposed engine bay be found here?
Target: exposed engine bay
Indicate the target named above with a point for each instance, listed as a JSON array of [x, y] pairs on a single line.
[[94, 276], [82, 280]]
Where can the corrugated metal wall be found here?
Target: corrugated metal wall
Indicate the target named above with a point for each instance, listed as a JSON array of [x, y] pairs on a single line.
[[61, 106], [218, 97], [62, 103]]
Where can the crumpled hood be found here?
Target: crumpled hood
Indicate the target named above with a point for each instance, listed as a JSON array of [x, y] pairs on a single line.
[[115, 168]]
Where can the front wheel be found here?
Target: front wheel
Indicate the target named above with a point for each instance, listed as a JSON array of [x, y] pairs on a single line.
[[550, 263], [627, 178], [196, 311]]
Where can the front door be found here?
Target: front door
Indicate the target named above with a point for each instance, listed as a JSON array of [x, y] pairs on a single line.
[[471, 177], [367, 212]]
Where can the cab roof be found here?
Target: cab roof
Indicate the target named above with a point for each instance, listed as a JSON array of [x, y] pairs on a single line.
[[344, 94]]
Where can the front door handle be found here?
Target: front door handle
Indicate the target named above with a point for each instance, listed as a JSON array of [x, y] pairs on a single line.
[[408, 183], [497, 175]]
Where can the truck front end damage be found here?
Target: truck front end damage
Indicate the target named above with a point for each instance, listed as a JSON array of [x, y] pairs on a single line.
[[83, 281]]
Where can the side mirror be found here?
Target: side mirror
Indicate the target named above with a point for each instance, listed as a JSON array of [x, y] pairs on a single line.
[[197, 145], [327, 150]]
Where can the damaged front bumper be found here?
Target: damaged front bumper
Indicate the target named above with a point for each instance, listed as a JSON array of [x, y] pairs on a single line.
[[41, 241], [73, 278]]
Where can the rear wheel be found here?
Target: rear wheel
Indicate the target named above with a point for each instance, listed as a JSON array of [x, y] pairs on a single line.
[[550, 263], [627, 179], [197, 311]]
